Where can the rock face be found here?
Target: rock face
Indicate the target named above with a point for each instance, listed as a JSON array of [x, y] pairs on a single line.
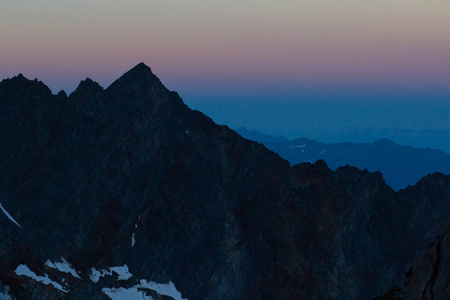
[[400, 165], [429, 275], [129, 180], [430, 272]]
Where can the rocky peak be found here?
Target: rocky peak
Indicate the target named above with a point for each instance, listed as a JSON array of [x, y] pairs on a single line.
[[139, 79], [87, 88], [62, 94], [20, 85]]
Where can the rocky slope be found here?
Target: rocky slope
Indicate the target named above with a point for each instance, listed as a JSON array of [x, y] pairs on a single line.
[[429, 275], [126, 191]]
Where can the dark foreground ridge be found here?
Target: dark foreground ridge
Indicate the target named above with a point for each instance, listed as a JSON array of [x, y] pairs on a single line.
[[123, 190]]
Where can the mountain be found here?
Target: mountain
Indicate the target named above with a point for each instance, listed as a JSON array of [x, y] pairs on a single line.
[[126, 193], [400, 165], [433, 138], [428, 276], [259, 137]]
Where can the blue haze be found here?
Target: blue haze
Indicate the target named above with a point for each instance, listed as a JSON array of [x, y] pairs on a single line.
[[419, 119]]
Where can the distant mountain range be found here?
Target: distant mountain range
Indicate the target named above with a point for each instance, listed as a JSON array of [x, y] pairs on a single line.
[[432, 138], [400, 165], [127, 193]]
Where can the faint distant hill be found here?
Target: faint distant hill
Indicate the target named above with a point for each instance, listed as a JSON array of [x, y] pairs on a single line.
[[433, 138], [257, 136], [400, 165]]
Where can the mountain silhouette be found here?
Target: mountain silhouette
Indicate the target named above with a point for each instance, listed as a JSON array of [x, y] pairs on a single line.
[[126, 192], [400, 165]]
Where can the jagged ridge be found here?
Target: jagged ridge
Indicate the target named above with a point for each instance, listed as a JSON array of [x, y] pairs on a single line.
[[219, 216]]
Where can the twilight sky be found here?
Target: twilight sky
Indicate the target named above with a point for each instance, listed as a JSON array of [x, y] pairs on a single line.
[[298, 68]]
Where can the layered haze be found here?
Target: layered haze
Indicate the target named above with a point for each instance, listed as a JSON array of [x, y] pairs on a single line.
[[297, 68]]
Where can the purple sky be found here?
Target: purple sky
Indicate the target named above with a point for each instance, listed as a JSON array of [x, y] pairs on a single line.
[[263, 64]]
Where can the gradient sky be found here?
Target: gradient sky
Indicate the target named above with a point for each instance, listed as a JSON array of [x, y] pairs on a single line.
[[297, 68]]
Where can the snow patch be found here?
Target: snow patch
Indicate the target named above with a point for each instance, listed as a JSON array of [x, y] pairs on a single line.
[[298, 146], [9, 216], [135, 292], [25, 271], [63, 266], [96, 274], [49, 264], [133, 240], [122, 273], [5, 295], [165, 289], [131, 293]]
